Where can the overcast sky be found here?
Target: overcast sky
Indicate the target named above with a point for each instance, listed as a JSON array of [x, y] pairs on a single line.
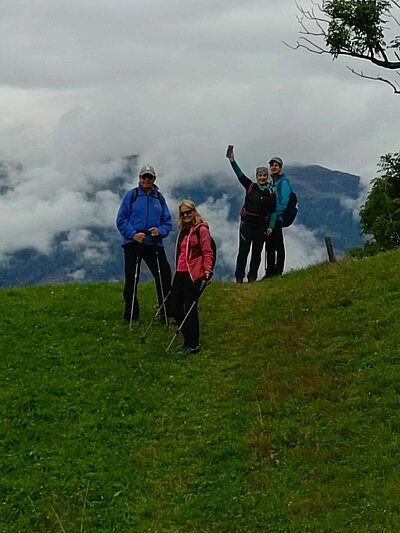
[[86, 81]]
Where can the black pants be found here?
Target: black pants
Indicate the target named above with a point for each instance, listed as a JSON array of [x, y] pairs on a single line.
[[250, 235], [275, 248], [134, 253], [184, 293]]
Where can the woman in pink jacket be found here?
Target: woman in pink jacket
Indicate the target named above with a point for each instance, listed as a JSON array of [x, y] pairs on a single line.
[[193, 262]]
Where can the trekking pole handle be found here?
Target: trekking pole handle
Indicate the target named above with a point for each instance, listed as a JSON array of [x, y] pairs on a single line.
[[208, 277]]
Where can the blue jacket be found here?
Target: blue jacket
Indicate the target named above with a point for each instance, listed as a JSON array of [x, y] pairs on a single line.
[[147, 211], [282, 189]]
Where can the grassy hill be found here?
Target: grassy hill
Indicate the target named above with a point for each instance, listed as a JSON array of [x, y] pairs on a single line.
[[287, 421]]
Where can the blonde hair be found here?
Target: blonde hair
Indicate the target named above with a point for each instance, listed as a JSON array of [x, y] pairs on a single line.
[[192, 206]]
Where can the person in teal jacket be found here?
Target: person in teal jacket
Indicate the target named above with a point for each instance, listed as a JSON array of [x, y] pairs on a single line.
[[275, 245]]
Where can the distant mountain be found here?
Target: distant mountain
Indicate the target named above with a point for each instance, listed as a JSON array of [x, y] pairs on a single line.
[[320, 192]]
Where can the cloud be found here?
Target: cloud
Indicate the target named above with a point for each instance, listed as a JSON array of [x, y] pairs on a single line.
[[43, 201], [90, 249], [86, 83]]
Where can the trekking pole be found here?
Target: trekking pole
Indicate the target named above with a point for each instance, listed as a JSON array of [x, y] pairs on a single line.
[[135, 281], [204, 285], [154, 239], [265, 257], [142, 338]]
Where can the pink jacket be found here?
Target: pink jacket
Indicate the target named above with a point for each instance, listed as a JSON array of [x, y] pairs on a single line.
[[199, 254]]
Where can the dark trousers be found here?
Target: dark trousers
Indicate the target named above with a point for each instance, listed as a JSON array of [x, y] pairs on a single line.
[[134, 253], [184, 293], [250, 236], [275, 248]]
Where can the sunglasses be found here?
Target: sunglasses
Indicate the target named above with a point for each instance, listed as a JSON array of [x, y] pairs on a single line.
[[263, 175], [147, 177], [186, 213]]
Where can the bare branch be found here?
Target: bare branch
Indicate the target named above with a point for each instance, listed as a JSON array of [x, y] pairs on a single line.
[[394, 17], [360, 74], [317, 49]]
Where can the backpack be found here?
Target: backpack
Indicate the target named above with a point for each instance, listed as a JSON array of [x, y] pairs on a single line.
[[214, 250], [135, 193], [290, 212]]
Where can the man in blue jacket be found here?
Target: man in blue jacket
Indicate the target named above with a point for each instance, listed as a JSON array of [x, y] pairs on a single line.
[[144, 220], [275, 245]]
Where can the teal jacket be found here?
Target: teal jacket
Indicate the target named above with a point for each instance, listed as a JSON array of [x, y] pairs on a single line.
[[282, 189]]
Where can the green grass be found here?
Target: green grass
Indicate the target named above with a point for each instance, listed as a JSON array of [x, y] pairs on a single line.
[[287, 421]]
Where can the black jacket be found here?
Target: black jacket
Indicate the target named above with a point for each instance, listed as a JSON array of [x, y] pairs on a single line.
[[258, 203]]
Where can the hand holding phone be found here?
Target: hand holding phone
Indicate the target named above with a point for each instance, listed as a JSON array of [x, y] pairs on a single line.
[[229, 152]]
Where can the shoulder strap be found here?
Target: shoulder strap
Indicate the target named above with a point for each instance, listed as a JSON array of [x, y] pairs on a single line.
[[250, 188], [135, 193], [160, 197], [279, 185], [213, 244]]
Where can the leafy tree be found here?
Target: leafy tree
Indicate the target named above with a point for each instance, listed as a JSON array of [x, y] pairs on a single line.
[[380, 215], [363, 29]]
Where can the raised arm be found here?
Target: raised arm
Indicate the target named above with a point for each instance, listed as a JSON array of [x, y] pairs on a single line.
[[243, 179]]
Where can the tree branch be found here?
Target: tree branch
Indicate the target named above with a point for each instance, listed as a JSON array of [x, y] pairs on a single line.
[[361, 74], [332, 24], [316, 49]]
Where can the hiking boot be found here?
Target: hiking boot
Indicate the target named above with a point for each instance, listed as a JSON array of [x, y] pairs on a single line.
[[181, 349], [239, 280], [268, 275], [251, 280], [190, 351]]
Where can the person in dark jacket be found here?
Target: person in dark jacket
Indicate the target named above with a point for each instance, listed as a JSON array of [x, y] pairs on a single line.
[[144, 221], [254, 217], [275, 245], [194, 263]]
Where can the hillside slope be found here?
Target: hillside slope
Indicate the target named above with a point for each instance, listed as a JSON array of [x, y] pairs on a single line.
[[287, 420]]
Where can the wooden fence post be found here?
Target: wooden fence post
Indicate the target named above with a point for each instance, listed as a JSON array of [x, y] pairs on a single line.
[[329, 249]]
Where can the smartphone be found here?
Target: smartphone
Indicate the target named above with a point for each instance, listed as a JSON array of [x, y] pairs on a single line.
[[229, 150]]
